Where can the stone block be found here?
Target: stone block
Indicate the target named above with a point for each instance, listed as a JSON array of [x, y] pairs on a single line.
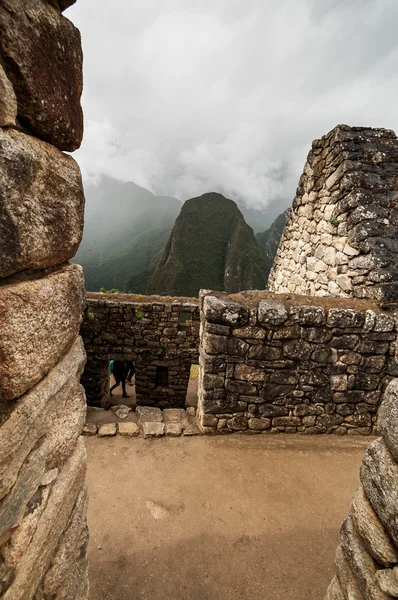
[[129, 429], [360, 561], [53, 522], [334, 591], [107, 430], [42, 204], [35, 413], [240, 387], [224, 312], [379, 477], [346, 577], [69, 566], [152, 429], [218, 344], [388, 418], [42, 56], [388, 581], [248, 373], [271, 312], [173, 429], [259, 424], [8, 101], [149, 414], [39, 321], [345, 317], [372, 531], [308, 315]]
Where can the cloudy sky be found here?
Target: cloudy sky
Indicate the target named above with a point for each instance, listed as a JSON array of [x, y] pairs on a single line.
[[188, 96]]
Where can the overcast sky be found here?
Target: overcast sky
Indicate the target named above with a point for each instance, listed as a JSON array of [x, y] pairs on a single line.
[[184, 96]]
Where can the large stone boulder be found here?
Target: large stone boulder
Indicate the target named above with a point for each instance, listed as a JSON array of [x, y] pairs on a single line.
[[41, 204], [42, 56], [39, 320]]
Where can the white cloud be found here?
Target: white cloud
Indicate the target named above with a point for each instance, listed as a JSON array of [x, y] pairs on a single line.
[[185, 97]]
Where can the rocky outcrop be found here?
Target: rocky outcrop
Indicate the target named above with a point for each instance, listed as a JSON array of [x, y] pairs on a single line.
[[212, 247], [42, 57], [367, 558], [43, 497], [341, 235], [41, 204]]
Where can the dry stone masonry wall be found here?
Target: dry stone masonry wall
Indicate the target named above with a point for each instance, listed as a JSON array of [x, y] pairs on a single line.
[[161, 336], [367, 557], [341, 236], [276, 363], [43, 497]]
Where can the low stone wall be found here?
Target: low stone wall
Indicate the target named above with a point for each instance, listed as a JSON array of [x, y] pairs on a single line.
[[276, 363], [43, 496], [341, 234], [367, 558], [161, 336]]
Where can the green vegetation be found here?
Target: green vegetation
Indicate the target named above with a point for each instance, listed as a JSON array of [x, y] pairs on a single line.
[[112, 291], [211, 246], [139, 314], [268, 241], [334, 221]]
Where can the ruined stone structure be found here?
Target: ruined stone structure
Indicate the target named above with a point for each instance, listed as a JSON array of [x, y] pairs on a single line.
[[367, 558], [341, 237], [43, 498], [161, 336], [289, 363]]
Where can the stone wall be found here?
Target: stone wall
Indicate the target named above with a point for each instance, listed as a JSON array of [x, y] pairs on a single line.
[[161, 336], [367, 558], [43, 498], [341, 237], [276, 363]]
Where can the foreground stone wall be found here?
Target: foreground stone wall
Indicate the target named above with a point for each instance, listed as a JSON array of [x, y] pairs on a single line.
[[43, 497], [367, 558], [289, 363], [341, 236], [161, 336]]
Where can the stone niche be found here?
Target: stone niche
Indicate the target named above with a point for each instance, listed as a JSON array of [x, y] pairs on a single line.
[[341, 237], [274, 362], [161, 336]]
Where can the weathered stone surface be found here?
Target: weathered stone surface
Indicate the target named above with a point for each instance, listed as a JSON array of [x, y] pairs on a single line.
[[247, 373], [258, 424], [388, 418], [107, 430], [53, 522], [39, 320], [148, 414], [35, 413], [308, 315], [28, 481], [129, 429], [334, 591], [41, 204], [152, 428], [219, 344], [361, 563], [70, 566], [225, 312], [388, 581], [173, 429], [90, 429], [42, 57], [8, 101], [271, 312], [379, 477], [121, 411], [372, 531], [346, 577]]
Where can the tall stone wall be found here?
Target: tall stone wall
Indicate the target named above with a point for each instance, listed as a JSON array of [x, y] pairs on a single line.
[[274, 362], [341, 237], [367, 557], [157, 333], [43, 498]]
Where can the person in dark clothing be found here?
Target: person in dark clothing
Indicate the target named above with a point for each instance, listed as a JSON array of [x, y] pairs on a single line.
[[119, 373], [130, 371]]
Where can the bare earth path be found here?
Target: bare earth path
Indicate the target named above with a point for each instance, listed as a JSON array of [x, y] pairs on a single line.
[[231, 518]]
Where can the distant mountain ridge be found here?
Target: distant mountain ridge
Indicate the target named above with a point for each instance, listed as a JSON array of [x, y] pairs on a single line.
[[126, 229], [211, 246], [268, 241]]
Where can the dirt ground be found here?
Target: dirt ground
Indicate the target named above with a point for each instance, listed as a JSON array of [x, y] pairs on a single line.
[[217, 518]]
